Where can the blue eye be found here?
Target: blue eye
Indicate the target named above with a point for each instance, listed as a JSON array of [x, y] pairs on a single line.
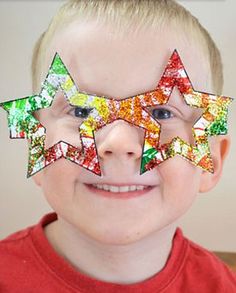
[[161, 113], [81, 112]]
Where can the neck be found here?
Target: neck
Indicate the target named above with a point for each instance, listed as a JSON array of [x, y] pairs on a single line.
[[111, 263]]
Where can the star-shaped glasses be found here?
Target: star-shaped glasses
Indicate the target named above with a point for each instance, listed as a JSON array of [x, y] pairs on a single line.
[[101, 111]]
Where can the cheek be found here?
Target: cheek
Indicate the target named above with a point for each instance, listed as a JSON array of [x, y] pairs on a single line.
[[58, 182], [181, 182], [63, 129]]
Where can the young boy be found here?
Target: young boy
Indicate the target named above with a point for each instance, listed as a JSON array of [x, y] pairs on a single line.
[[118, 232]]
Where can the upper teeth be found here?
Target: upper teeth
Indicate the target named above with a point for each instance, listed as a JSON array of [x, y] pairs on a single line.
[[113, 188]]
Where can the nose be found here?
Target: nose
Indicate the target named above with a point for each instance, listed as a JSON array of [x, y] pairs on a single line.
[[120, 140]]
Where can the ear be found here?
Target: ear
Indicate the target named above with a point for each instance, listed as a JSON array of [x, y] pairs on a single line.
[[219, 149]]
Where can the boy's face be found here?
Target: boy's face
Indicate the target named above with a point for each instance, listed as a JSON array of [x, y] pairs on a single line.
[[103, 63]]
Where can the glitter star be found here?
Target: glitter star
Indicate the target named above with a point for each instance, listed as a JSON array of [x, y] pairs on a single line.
[[212, 122], [23, 124]]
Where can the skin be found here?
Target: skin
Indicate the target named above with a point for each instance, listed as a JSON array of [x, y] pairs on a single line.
[[106, 238]]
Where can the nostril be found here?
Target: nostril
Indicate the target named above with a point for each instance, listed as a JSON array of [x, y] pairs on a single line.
[[108, 153], [130, 154]]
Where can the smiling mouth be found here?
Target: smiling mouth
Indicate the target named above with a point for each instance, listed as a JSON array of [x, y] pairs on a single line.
[[119, 191]]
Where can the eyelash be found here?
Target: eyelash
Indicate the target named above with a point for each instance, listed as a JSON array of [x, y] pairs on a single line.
[[80, 112], [162, 110]]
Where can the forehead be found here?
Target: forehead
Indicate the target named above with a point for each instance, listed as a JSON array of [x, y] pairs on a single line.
[[105, 62]]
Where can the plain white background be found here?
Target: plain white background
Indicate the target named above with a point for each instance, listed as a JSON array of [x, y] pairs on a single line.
[[212, 220]]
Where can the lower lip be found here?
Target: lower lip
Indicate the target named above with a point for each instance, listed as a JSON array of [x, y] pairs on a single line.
[[118, 195]]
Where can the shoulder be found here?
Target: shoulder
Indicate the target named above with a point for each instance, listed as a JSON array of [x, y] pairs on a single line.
[[15, 243], [206, 268], [203, 257], [20, 263], [16, 256], [18, 241], [21, 242]]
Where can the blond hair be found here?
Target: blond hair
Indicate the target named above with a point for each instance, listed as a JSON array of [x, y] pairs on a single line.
[[124, 13]]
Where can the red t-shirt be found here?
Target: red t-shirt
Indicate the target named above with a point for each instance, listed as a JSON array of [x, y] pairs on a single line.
[[28, 263]]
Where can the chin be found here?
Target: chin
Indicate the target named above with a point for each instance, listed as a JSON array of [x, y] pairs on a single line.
[[117, 236]]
